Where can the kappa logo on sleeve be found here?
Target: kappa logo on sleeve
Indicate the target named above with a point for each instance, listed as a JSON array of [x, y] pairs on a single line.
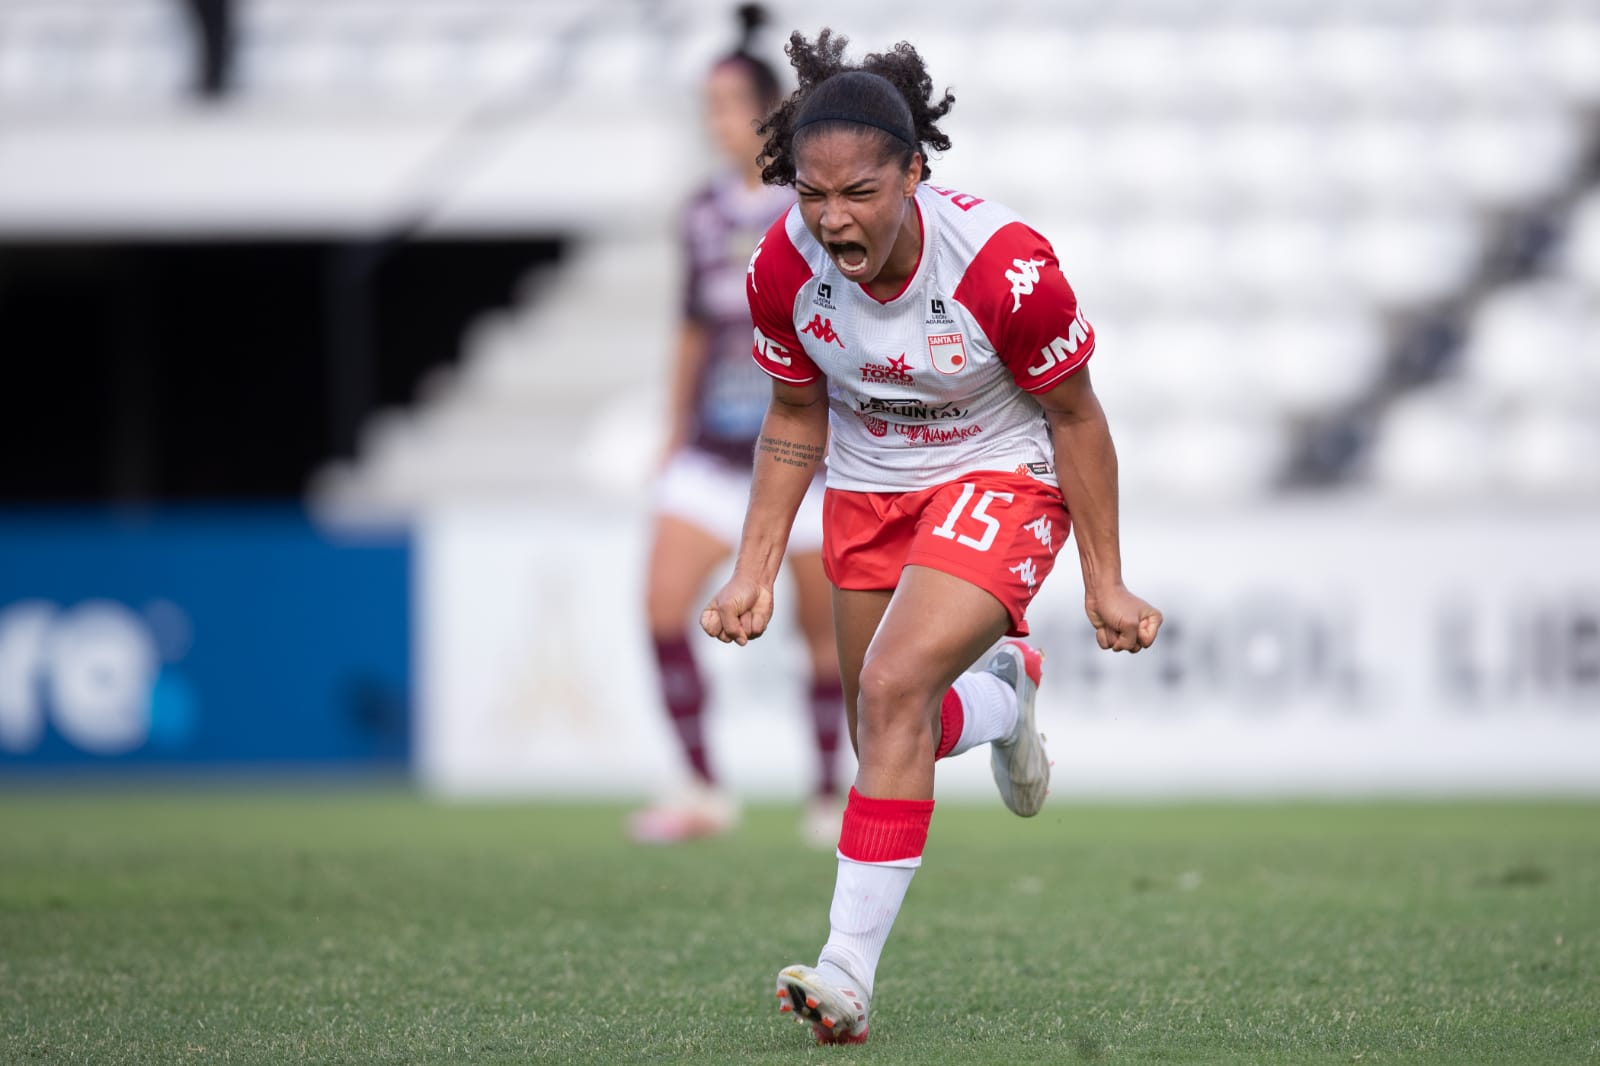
[[1023, 278]]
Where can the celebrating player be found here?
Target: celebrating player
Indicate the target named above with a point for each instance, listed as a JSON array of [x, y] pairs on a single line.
[[935, 334], [717, 403]]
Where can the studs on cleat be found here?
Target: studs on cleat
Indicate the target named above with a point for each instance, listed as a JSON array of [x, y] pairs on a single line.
[[811, 1001], [785, 1009], [783, 993], [827, 1022]]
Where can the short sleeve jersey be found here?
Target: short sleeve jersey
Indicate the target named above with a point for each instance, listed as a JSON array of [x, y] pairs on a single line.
[[721, 225], [934, 383]]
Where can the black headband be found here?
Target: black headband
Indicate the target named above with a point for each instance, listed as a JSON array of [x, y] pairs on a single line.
[[908, 139]]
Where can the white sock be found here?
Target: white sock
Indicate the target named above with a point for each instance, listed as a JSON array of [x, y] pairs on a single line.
[[866, 899], [988, 708]]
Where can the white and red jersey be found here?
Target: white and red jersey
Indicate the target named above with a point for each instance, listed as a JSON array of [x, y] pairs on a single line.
[[933, 383]]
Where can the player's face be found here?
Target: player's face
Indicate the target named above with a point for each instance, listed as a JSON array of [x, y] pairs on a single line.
[[732, 111], [856, 201]]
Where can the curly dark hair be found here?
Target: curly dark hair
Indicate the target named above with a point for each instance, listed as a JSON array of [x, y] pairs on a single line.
[[899, 97]]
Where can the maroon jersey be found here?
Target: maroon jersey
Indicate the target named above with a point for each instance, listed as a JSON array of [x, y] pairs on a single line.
[[721, 227]]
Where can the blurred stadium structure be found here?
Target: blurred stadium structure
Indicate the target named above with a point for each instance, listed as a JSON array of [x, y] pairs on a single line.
[[1344, 252], [1328, 244]]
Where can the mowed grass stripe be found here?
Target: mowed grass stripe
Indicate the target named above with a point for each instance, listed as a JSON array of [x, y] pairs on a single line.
[[349, 927]]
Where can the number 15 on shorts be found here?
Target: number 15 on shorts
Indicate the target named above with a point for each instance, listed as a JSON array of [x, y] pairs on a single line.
[[979, 514]]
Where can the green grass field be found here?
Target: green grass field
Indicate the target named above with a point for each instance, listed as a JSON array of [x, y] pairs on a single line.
[[332, 927]]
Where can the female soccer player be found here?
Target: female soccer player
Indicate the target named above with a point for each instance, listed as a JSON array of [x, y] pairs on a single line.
[[717, 402], [935, 334]]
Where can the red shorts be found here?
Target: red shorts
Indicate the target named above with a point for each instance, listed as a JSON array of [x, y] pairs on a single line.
[[996, 530]]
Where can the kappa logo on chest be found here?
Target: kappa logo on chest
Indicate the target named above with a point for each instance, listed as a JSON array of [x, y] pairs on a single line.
[[822, 329]]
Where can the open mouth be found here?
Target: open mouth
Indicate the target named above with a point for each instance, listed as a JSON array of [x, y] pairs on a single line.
[[850, 257]]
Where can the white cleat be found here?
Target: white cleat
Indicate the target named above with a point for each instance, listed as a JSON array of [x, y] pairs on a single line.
[[838, 1015], [699, 811], [1021, 767]]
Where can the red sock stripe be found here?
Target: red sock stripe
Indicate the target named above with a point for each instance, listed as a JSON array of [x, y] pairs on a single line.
[[952, 719], [884, 830]]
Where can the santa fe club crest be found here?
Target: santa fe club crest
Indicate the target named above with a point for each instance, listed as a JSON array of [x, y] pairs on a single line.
[[948, 352]]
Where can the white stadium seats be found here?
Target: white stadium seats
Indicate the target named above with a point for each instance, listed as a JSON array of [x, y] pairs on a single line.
[[1254, 198]]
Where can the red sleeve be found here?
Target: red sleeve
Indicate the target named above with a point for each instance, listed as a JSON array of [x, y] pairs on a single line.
[[1015, 289], [776, 274]]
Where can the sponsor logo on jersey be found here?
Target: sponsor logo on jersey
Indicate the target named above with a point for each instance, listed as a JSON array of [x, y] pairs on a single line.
[[771, 350], [1040, 470], [1023, 277], [822, 329], [948, 352], [938, 314], [876, 426], [1062, 349], [911, 410], [750, 271], [920, 434], [964, 201], [824, 297], [897, 372]]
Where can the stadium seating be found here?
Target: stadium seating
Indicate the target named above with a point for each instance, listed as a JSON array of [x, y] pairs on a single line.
[[1256, 200]]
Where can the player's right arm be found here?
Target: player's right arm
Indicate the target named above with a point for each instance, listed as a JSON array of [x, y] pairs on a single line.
[[794, 437]]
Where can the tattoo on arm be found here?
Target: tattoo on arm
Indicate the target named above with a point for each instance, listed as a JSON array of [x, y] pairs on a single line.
[[790, 452]]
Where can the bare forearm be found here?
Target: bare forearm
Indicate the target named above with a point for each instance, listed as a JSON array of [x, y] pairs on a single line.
[[1086, 467], [687, 361], [791, 447]]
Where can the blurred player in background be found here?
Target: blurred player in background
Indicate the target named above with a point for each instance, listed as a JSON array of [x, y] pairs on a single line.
[[929, 342], [718, 399]]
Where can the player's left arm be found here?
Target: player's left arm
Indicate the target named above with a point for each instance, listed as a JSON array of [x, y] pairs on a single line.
[[1086, 467]]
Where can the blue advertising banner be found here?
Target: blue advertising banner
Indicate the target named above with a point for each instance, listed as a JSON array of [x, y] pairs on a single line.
[[201, 638]]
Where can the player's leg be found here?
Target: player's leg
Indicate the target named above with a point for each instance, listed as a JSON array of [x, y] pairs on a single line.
[[682, 557], [824, 694], [688, 542], [903, 650], [905, 662]]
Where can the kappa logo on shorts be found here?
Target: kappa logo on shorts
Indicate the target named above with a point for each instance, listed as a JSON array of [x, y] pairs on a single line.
[[948, 351], [1027, 572], [1041, 528], [822, 329], [897, 372], [1023, 279]]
